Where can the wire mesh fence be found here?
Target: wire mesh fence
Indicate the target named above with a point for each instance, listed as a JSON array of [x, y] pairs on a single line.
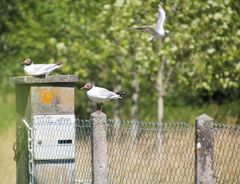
[[226, 154], [138, 152], [143, 152], [83, 151]]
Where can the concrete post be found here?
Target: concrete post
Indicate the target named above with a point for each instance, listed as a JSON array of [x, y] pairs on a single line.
[[47, 104], [204, 150], [99, 147]]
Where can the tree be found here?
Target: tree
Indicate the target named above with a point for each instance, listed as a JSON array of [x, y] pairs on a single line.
[[200, 55]]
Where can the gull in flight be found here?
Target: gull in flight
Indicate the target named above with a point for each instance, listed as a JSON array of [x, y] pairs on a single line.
[[100, 95], [157, 32], [39, 69]]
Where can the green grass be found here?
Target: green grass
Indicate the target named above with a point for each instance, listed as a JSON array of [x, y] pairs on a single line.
[[7, 111], [227, 113], [7, 139], [8, 165]]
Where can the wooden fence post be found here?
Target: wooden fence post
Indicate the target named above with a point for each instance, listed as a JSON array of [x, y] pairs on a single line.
[[204, 150], [99, 147]]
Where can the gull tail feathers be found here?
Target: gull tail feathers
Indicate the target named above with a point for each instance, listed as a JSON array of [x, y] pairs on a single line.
[[121, 93], [59, 63]]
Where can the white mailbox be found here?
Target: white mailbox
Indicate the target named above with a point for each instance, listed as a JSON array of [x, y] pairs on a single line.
[[54, 137]]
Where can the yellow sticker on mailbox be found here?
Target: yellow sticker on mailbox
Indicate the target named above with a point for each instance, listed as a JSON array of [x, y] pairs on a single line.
[[46, 97]]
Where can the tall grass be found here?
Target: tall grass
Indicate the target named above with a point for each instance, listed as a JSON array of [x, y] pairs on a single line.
[[7, 112], [227, 113], [7, 139], [7, 164]]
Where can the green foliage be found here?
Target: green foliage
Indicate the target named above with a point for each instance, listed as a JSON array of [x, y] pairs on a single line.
[[227, 113], [93, 40]]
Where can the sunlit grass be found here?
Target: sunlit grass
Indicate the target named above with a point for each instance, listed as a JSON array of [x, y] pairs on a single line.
[[7, 139], [7, 164], [7, 111], [227, 113]]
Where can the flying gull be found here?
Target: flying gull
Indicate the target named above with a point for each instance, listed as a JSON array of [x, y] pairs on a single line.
[[157, 32]]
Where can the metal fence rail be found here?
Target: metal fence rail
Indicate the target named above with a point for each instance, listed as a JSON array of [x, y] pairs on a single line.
[[140, 152]]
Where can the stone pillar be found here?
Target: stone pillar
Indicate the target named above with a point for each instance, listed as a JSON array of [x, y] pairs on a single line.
[[99, 147], [204, 150], [47, 105]]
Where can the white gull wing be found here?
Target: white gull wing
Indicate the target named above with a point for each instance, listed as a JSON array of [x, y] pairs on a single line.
[[100, 95], [40, 69], [160, 20], [157, 32], [146, 29]]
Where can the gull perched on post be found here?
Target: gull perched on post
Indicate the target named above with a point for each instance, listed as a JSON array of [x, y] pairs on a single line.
[[39, 69], [157, 32], [100, 95]]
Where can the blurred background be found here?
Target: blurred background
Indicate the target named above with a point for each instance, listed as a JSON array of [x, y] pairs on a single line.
[[199, 58]]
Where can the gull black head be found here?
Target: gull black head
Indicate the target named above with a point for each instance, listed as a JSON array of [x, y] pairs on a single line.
[[27, 62], [87, 86]]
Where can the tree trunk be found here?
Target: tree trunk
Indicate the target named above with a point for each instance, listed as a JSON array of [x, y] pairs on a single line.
[[117, 104], [135, 94], [134, 107], [160, 91], [160, 110]]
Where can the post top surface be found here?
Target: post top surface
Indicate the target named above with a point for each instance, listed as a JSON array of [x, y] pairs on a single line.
[[98, 114], [49, 79], [204, 117]]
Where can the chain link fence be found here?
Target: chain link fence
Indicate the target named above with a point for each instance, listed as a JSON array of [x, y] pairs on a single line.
[[138, 152], [144, 152], [226, 154]]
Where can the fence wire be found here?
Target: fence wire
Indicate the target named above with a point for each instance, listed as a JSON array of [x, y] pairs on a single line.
[[138, 152], [226, 154], [144, 152]]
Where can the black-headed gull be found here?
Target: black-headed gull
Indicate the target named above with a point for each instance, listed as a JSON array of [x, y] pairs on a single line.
[[39, 69], [157, 32], [100, 95]]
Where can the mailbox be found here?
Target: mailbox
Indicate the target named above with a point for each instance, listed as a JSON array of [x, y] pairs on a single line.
[[47, 104], [54, 137]]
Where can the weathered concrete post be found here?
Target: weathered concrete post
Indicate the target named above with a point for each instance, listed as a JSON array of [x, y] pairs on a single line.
[[204, 150], [99, 147], [47, 106]]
